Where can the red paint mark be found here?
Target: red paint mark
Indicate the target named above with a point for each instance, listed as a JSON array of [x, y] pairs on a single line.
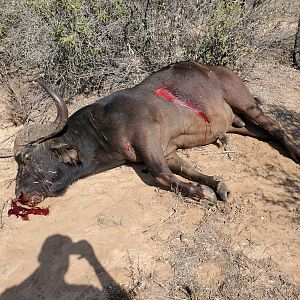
[[127, 146], [167, 95], [23, 212], [164, 93]]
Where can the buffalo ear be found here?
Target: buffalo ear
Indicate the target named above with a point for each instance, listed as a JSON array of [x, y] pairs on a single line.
[[67, 154]]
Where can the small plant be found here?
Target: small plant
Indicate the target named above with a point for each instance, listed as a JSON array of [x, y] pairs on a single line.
[[3, 30], [87, 45], [224, 35]]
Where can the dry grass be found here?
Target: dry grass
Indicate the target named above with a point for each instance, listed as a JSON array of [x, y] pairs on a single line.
[[205, 266], [81, 45]]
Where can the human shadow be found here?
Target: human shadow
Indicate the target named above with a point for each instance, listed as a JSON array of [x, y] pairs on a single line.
[[47, 281]]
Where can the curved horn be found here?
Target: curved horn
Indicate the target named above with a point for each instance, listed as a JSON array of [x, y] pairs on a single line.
[[37, 133]]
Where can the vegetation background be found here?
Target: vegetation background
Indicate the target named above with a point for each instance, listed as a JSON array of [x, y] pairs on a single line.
[[81, 46], [162, 247]]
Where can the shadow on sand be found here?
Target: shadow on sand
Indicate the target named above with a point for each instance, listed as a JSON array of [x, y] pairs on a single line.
[[47, 281], [289, 119]]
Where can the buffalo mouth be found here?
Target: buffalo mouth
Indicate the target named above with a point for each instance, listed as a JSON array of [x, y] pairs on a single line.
[[31, 199]]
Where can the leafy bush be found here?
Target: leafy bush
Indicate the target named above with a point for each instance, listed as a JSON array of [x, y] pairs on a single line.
[[86, 45]]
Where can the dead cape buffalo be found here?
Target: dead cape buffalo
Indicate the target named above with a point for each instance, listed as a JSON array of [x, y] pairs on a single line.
[[184, 105]]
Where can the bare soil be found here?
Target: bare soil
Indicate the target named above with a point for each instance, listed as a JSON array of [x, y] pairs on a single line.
[[117, 236]]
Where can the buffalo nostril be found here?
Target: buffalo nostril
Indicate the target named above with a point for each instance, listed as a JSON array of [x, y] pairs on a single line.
[[22, 199]]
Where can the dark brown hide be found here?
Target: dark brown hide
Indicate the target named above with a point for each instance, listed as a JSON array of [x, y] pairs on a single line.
[[184, 105]]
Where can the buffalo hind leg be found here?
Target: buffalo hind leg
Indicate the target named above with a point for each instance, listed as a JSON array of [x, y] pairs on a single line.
[[274, 129], [152, 155], [242, 102], [248, 107], [251, 129], [180, 167]]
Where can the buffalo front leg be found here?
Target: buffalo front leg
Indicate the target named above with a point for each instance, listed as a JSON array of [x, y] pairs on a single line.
[[180, 167], [153, 157]]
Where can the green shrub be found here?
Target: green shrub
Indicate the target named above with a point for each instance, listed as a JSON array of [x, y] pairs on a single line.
[[222, 38], [85, 45]]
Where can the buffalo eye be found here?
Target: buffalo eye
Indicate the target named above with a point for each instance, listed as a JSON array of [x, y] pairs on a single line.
[[27, 158]]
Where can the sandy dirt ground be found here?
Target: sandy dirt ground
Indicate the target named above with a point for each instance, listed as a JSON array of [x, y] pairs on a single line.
[[116, 236]]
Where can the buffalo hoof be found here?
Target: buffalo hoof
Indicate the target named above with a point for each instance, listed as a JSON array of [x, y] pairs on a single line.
[[295, 154], [222, 191], [205, 194]]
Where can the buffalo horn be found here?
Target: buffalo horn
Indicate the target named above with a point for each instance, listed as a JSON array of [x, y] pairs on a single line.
[[37, 133]]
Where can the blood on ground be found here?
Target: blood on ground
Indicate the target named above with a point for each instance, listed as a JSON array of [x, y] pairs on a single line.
[[23, 212]]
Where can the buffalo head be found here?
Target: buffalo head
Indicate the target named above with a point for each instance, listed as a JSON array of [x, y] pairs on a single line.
[[42, 159]]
